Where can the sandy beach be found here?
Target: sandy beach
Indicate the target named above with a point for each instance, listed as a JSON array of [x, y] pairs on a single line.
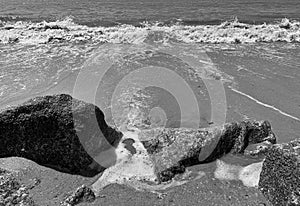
[[146, 65]]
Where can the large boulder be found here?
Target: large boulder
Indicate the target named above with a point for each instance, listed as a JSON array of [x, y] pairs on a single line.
[[57, 131], [280, 176], [173, 149]]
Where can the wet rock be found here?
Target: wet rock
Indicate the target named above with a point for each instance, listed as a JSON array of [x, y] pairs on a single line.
[[82, 194], [280, 176], [173, 149], [59, 132], [128, 145]]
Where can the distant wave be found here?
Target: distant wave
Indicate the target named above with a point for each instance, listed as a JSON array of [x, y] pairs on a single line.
[[67, 30]]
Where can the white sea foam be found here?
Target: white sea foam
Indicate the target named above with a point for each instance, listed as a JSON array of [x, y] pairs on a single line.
[[134, 170], [265, 105], [249, 174], [227, 32]]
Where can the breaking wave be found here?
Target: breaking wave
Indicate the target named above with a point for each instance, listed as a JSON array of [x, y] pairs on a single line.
[[67, 30]]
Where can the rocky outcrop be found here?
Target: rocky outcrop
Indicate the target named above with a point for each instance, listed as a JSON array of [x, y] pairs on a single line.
[[57, 131], [173, 149], [280, 176], [67, 134]]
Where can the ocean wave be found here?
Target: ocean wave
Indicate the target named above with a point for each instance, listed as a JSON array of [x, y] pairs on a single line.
[[67, 30]]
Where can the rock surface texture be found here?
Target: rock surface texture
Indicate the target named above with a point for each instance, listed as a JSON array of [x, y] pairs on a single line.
[[68, 135], [12, 192], [173, 149], [57, 131], [280, 176], [82, 194]]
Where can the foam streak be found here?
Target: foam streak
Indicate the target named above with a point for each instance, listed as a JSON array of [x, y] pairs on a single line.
[[265, 105]]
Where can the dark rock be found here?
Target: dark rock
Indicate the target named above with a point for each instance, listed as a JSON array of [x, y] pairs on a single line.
[[59, 132], [82, 194], [173, 149], [280, 176], [128, 145]]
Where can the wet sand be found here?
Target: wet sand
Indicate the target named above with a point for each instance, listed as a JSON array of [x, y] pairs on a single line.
[[55, 186]]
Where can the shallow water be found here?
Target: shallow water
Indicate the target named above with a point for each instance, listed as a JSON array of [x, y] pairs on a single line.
[[143, 83]]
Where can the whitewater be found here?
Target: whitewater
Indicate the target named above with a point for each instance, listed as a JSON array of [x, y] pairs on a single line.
[[66, 30]]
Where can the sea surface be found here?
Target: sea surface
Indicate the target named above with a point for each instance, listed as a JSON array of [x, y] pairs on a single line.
[[194, 63], [109, 13]]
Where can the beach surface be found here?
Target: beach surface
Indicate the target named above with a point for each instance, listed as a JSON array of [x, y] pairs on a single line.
[[54, 187], [192, 64]]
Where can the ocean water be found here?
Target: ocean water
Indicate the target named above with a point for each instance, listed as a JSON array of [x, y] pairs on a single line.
[[192, 63], [109, 13]]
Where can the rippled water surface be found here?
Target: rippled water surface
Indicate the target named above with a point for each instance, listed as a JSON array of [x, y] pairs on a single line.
[[107, 12]]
